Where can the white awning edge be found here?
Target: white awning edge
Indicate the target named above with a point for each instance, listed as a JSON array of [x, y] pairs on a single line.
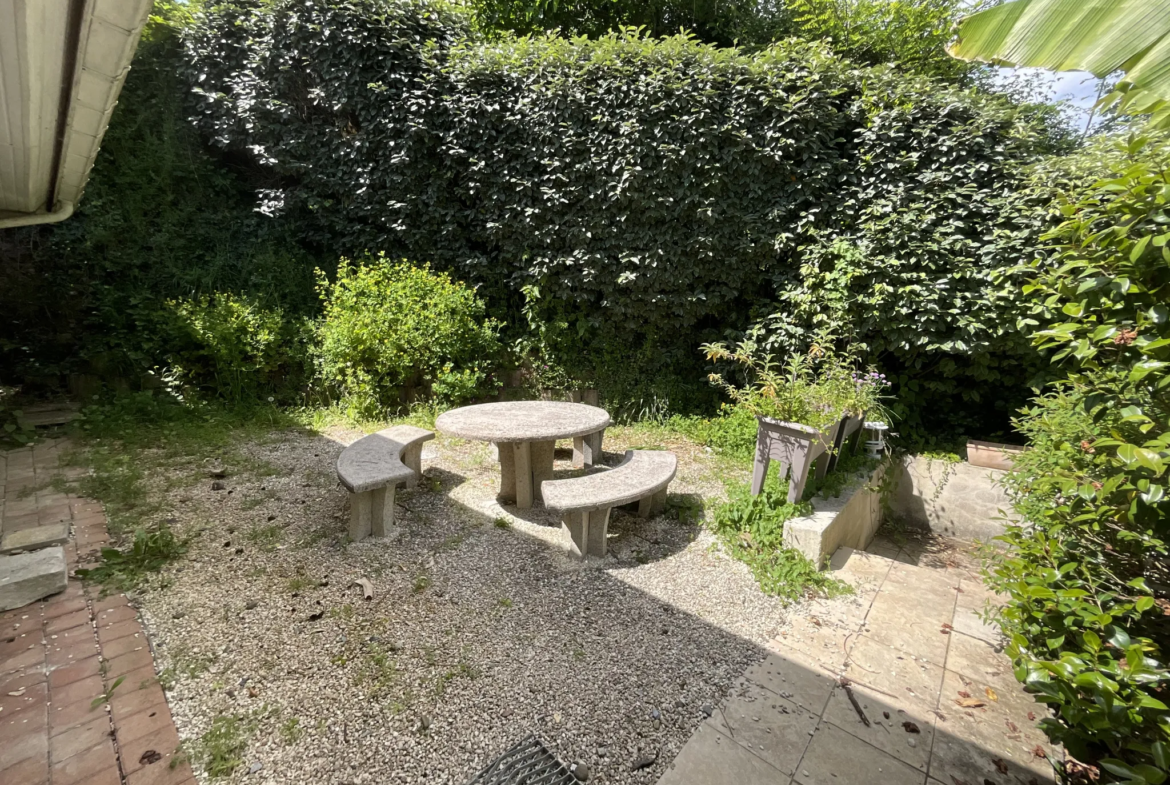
[[62, 66]]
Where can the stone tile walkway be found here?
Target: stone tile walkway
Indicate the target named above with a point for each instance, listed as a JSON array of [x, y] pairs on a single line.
[[62, 720], [901, 684]]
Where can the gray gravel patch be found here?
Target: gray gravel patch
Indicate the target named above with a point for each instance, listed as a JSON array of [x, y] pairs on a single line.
[[478, 633]]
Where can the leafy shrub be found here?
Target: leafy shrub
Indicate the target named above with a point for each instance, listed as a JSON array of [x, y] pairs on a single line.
[[658, 194], [1086, 574], [816, 389], [732, 432], [911, 269], [752, 528], [392, 332], [232, 347], [14, 427], [161, 220]]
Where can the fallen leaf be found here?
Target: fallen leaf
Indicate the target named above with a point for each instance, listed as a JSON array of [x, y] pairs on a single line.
[[947, 628], [1039, 752], [910, 727], [253, 692], [1031, 716], [964, 694], [991, 693], [970, 703], [367, 588], [1000, 766], [815, 620], [886, 714], [1013, 727], [150, 756]]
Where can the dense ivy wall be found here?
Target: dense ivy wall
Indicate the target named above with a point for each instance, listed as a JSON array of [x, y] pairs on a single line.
[[646, 195], [161, 220]]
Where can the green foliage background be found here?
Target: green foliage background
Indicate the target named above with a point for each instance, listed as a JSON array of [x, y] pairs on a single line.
[[616, 202], [162, 220], [647, 195], [395, 333], [1086, 571]]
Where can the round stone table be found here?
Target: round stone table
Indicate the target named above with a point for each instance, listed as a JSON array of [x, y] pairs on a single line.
[[525, 434]]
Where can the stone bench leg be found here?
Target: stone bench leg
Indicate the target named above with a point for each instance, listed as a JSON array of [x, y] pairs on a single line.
[[371, 512], [359, 515], [654, 504], [584, 532], [412, 459], [382, 512]]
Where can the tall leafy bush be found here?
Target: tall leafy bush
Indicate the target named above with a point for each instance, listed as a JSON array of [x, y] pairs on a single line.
[[392, 332], [161, 220], [1087, 571], [910, 265], [656, 194], [233, 348]]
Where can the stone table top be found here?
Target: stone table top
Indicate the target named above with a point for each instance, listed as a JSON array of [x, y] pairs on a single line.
[[522, 421]]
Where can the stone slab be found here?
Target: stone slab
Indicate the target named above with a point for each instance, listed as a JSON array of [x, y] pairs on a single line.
[[642, 473], [887, 729], [836, 758], [34, 537], [710, 758], [805, 685], [522, 421], [770, 727], [28, 577]]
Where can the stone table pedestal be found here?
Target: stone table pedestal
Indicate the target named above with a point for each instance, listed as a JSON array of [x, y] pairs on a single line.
[[525, 435]]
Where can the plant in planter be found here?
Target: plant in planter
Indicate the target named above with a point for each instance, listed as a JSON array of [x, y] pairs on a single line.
[[862, 399], [798, 407]]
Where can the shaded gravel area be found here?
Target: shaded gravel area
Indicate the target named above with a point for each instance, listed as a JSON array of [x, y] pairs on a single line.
[[480, 630]]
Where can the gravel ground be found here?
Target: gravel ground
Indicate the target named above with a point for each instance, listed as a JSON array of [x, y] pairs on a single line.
[[479, 633]]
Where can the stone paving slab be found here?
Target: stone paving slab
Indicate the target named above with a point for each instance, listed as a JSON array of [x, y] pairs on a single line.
[[866, 689], [58, 655]]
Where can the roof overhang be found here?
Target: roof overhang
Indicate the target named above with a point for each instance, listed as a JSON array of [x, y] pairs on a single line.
[[62, 64]]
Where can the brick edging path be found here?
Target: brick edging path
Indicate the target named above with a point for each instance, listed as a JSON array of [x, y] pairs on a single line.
[[60, 655]]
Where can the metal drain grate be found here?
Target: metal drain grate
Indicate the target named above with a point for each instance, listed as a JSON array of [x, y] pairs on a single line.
[[528, 763]]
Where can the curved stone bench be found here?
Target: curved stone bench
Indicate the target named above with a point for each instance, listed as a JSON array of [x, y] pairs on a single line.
[[585, 502], [371, 468]]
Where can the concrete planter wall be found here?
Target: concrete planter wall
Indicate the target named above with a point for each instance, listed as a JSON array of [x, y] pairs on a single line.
[[850, 519], [952, 499], [992, 455]]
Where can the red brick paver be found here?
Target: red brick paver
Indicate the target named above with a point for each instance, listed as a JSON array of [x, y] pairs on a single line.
[[61, 656]]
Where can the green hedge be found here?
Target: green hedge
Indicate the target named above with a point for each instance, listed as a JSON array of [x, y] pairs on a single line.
[[656, 193], [161, 220], [1087, 616]]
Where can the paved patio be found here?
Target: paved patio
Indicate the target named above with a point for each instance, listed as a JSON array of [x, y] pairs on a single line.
[[934, 701], [60, 654]]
